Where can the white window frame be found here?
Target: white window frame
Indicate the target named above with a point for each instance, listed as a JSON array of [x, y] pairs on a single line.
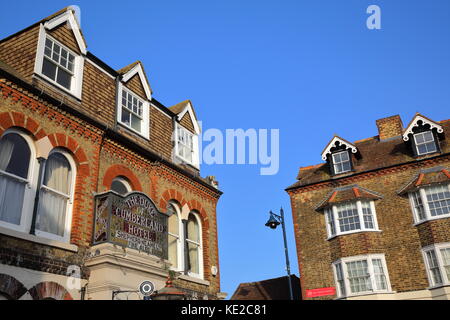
[[124, 182], [200, 247], [69, 207], [343, 262], [145, 124], [180, 237], [77, 78], [427, 212], [437, 250], [334, 163], [30, 187], [333, 210], [416, 145], [195, 147]]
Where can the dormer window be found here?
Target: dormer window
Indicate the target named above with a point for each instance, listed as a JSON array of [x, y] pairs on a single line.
[[338, 155], [185, 144], [425, 143], [341, 162], [55, 62], [132, 111], [58, 63], [424, 135]]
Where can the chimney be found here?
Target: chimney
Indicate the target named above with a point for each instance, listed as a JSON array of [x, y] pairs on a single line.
[[389, 127]]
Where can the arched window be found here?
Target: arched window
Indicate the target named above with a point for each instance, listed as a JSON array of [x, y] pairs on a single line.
[[54, 211], [121, 186], [16, 168], [193, 245], [174, 236], [4, 296]]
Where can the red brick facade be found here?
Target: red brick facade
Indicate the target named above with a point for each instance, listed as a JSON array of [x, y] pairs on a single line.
[[102, 150]]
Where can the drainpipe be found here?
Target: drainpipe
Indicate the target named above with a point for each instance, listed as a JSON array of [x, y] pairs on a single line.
[[41, 161]]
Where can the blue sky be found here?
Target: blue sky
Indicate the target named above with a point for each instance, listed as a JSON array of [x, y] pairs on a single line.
[[308, 68]]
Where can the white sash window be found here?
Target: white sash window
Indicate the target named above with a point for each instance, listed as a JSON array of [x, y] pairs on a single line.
[[54, 211]]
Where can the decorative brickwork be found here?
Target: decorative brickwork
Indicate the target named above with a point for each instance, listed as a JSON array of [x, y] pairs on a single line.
[[102, 150]]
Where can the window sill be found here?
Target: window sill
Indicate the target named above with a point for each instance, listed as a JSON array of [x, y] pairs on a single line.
[[349, 233], [193, 279], [132, 131], [366, 294], [56, 85], [431, 219], [35, 239]]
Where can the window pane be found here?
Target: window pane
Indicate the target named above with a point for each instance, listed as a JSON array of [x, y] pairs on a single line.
[[434, 267], [380, 278], [425, 142], [64, 78], [358, 276], [126, 117], [341, 162], [11, 199], [51, 215], [330, 219], [193, 229], [340, 279], [58, 173], [446, 260], [49, 69], [119, 187], [136, 122], [193, 253], [14, 155], [438, 198], [173, 250], [418, 205], [348, 217], [367, 216]]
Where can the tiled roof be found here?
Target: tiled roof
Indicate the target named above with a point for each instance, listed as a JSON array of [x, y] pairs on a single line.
[[128, 67], [427, 177], [374, 154], [271, 289], [347, 193], [179, 107]]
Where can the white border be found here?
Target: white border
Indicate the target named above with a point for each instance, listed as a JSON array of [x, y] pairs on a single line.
[[332, 143], [409, 130], [367, 257], [69, 207]]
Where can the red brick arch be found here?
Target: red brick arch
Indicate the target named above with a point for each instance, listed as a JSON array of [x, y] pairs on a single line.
[[194, 205], [17, 119], [49, 289], [120, 170]]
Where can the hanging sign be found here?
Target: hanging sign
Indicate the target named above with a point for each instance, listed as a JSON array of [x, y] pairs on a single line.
[[132, 221]]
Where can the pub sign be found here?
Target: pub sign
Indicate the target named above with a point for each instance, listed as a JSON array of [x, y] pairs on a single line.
[[131, 221]]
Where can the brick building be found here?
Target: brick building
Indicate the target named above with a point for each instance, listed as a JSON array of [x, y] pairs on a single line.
[[100, 185], [373, 220]]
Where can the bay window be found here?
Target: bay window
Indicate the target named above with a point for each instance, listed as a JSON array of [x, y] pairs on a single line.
[[361, 275], [351, 217], [429, 203], [437, 262]]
